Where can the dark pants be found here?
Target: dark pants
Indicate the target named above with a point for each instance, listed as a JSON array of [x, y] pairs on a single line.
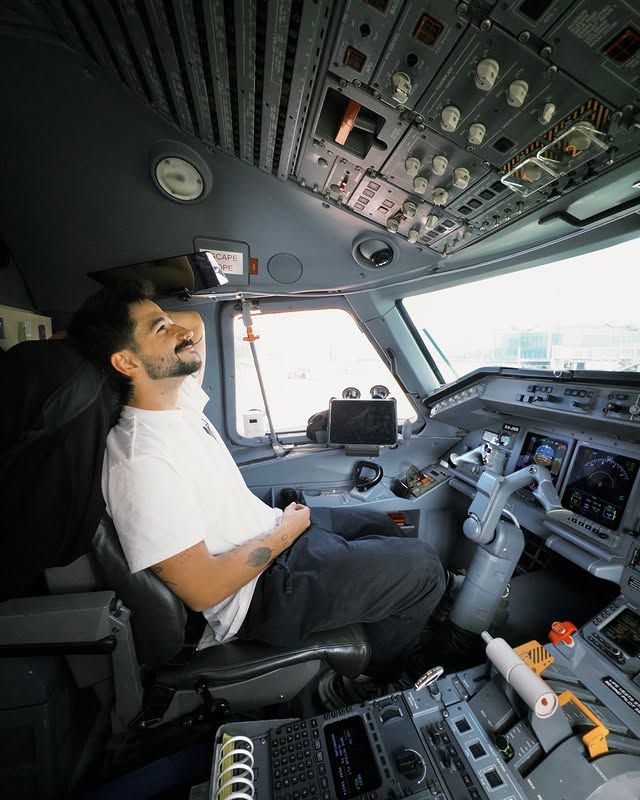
[[357, 568]]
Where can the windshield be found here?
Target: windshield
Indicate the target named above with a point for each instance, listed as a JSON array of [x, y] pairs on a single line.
[[580, 313]]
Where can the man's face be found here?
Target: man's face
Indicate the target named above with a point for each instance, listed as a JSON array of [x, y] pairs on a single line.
[[164, 348]]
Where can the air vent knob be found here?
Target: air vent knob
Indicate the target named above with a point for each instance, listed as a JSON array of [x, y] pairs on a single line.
[[486, 74], [401, 87], [477, 132], [449, 118], [517, 93], [413, 235], [412, 166], [461, 177], [420, 184], [440, 196], [547, 113], [439, 164]]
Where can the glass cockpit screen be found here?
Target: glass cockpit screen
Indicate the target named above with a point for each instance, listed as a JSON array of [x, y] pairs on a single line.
[[353, 765], [546, 451], [624, 630], [599, 485]]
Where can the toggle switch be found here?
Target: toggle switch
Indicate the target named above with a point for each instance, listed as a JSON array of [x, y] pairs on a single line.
[[412, 166], [401, 87], [439, 164], [547, 113], [440, 196], [517, 92], [486, 74], [477, 132], [420, 184], [449, 118], [461, 177]]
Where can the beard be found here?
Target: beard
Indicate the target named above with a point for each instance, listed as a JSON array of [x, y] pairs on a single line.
[[159, 368]]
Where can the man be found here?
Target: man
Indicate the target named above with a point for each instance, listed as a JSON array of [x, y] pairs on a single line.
[[182, 508]]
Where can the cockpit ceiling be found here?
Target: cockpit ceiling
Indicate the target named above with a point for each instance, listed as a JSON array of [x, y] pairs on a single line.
[[443, 123]]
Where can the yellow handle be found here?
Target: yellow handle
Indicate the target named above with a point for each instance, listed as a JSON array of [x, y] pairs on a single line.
[[594, 740]]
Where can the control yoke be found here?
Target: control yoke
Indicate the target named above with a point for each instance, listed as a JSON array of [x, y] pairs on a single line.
[[493, 491]]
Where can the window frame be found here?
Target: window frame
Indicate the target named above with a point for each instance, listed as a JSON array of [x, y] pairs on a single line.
[[273, 306]]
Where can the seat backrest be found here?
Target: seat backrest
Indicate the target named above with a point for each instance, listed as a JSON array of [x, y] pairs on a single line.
[[158, 617], [55, 413]]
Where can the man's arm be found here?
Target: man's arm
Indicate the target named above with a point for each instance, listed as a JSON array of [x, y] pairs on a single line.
[[201, 580], [194, 322]]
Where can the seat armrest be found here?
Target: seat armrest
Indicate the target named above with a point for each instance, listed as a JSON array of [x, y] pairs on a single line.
[[56, 619]]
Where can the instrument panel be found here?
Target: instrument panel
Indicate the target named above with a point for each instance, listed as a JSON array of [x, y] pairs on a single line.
[[584, 432]]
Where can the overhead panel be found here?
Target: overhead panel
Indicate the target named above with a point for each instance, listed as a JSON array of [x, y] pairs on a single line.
[[192, 70], [273, 34], [84, 22], [442, 164], [105, 17], [244, 29], [498, 113], [153, 12], [306, 37], [362, 37], [463, 115], [218, 70], [354, 125], [525, 17], [141, 50], [606, 36], [423, 38]]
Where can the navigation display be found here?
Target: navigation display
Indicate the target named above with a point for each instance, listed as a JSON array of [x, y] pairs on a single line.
[[546, 451], [624, 630], [599, 485], [353, 765]]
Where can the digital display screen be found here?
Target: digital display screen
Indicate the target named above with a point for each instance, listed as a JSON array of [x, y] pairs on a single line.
[[371, 422], [624, 630], [599, 485], [353, 765], [546, 451]]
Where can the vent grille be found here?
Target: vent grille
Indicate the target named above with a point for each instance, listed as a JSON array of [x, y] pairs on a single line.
[[227, 72]]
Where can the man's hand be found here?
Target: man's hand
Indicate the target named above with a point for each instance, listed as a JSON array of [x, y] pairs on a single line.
[[298, 515], [193, 322], [202, 580]]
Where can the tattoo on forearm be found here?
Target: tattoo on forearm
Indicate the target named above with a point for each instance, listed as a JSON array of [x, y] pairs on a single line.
[[259, 557], [158, 571]]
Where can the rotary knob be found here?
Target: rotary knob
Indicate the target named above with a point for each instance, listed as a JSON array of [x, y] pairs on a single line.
[[439, 164], [449, 118], [504, 747], [440, 196]]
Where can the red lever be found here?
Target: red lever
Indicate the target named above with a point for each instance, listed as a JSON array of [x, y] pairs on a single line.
[[561, 632]]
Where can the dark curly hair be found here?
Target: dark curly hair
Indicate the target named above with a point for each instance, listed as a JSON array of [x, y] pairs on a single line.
[[103, 325]]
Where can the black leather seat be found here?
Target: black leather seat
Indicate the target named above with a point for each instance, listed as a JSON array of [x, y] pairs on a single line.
[[246, 674]]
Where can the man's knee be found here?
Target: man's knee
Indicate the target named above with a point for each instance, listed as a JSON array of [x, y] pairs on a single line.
[[426, 568]]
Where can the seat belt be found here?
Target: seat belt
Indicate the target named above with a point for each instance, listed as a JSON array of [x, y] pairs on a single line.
[[251, 338]]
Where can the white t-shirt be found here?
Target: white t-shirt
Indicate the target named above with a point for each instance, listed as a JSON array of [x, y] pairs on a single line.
[[169, 482]]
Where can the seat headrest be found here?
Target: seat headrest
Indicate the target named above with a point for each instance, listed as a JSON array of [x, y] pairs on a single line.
[[158, 617]]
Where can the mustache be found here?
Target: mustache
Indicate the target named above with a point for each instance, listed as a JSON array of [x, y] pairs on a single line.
[[183, 345]]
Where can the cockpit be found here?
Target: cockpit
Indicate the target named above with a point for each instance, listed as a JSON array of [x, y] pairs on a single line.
[[408, 235]]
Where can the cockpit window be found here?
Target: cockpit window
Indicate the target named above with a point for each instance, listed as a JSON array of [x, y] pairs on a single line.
[[306, 358], [580, 313]]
